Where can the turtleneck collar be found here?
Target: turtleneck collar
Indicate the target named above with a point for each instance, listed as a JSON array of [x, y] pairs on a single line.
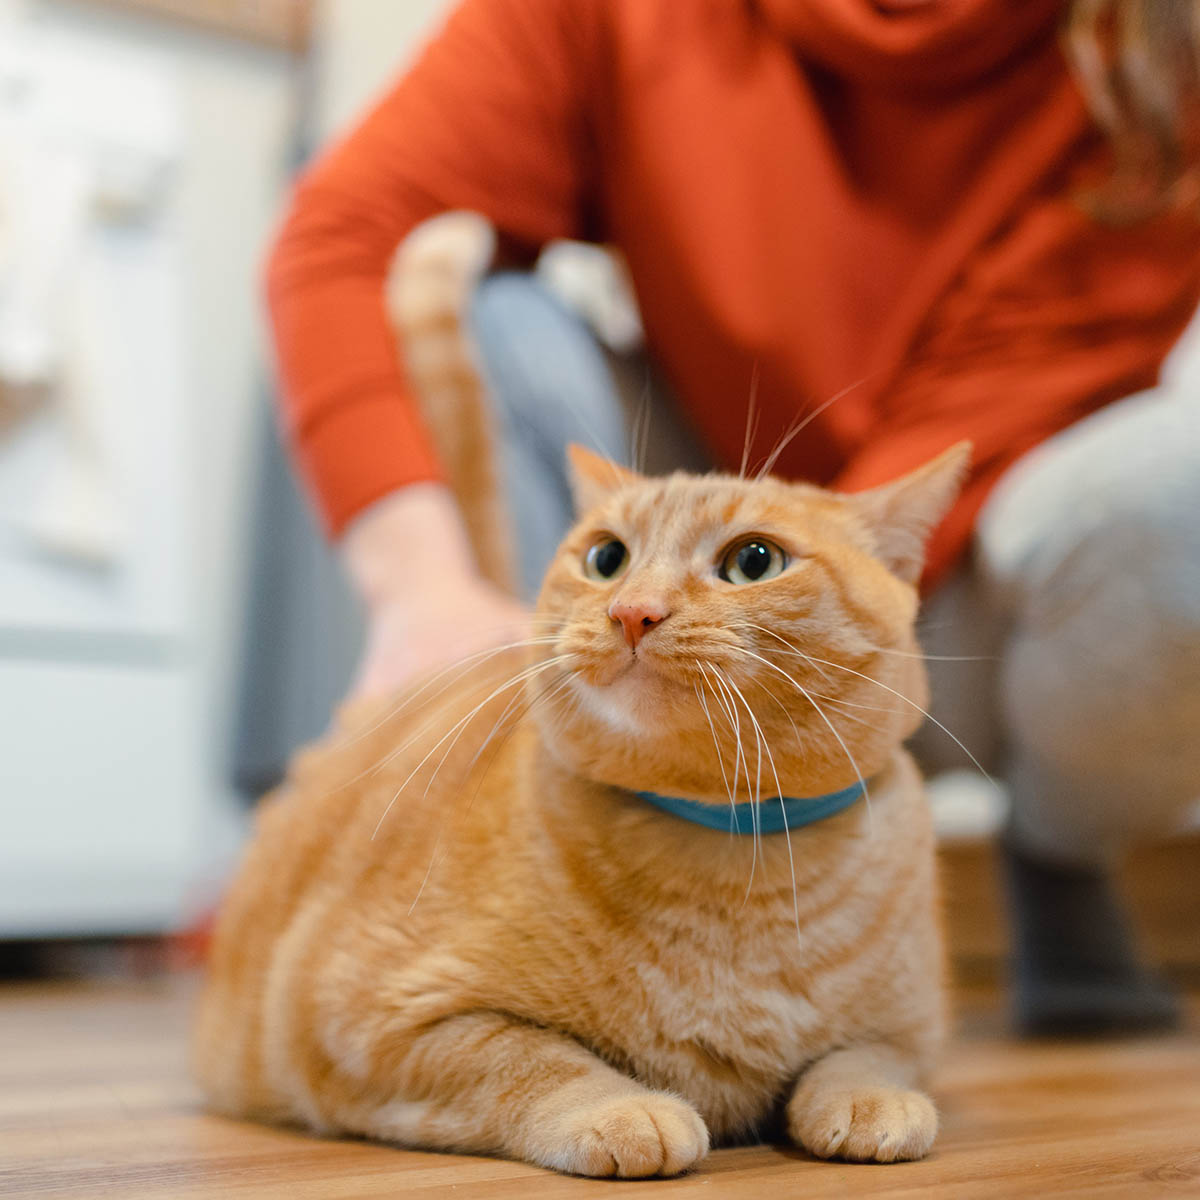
[[929, 44]]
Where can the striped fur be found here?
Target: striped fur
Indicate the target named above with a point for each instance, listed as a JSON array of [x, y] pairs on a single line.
[[428, 294]]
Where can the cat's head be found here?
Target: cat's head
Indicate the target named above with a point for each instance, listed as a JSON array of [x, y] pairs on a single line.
[[697, 613]]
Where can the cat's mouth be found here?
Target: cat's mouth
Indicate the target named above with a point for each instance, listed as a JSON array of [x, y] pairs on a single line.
[[658, 670], [633, 695], [636, 690], [624, 669]]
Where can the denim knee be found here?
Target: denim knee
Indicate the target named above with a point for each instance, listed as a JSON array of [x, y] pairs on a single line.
[[548, 377], [549, 384]]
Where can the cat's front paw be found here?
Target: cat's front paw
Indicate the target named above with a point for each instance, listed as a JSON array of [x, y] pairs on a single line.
[[627, 1136], [865, 1124]]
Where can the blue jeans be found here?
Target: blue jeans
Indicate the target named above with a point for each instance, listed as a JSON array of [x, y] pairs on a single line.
[[1082, 595]]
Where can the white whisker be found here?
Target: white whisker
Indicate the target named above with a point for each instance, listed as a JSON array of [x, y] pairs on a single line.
[[934, 657], [433, 855], [699, 690], [461, 724], [462, 665], [499, 722], [779, 638], [432, 721], [640, 428], [927, 715], [791, 434], [754, 824], [735, 728], [832, 728], [751, 421], [782, 708], [787, 836]]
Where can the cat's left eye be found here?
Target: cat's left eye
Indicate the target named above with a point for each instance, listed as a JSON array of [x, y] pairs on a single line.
[[751, 561]]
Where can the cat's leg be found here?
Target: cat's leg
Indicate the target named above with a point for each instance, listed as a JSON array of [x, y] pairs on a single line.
[[859, 1103], [489, 1084]]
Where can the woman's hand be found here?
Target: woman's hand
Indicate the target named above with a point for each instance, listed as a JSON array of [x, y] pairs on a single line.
[[433, 628], [427, 605]]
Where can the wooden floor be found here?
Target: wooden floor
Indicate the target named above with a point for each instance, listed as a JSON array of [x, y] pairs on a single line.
[[95, 1101]]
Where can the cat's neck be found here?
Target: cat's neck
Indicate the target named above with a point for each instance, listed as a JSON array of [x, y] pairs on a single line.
[[755, 818], [612, 835]]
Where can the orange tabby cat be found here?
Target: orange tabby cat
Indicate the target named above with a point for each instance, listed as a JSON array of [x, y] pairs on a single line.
[[461, 925]]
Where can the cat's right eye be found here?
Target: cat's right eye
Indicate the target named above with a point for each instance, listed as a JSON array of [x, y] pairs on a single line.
[[751, 561], [606, 559]]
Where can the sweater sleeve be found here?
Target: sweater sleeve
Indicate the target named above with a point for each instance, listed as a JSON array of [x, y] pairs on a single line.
[[490, 118]]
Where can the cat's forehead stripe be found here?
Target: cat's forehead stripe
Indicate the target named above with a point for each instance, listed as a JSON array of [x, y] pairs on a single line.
[[682, 500], [708, 500]]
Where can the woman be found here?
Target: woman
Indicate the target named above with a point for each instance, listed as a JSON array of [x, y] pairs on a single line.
[[919, 207]]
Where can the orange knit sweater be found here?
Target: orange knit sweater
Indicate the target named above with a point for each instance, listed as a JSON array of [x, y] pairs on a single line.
[[869, 195]]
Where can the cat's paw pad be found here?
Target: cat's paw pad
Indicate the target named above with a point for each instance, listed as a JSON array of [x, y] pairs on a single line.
[[868, 1124], [630, 1137]]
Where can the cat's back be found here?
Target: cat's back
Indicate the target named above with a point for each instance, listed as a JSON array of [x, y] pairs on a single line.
[[369, 804]]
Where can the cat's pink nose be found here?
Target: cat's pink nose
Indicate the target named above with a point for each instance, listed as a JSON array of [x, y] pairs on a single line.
[[638, 618]]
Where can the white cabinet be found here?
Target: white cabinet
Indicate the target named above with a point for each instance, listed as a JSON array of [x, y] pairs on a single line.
[[103, 809], [118, 638]]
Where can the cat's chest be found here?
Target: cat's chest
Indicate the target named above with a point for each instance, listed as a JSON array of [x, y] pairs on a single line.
[[724, 1023], [730, 1002], [733, 1001]]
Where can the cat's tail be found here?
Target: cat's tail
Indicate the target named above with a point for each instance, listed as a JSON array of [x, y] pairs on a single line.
[[428, 297]]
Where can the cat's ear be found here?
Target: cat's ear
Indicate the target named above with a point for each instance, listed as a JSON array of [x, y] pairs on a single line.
[[902, 514], [593, 477]]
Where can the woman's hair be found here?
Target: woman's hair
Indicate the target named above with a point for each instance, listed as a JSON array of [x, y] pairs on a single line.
[[1138, 63]]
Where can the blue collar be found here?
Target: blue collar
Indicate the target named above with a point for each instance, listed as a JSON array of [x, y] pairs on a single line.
[[769, 816]]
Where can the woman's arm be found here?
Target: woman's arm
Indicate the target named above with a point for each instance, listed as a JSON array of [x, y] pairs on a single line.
[[491, 118]]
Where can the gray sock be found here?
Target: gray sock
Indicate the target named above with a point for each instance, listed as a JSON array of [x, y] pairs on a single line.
[[1075, 965]]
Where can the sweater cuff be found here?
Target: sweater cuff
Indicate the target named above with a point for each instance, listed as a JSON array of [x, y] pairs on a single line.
[[354, 454]]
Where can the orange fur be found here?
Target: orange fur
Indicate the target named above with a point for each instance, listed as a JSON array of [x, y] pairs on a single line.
[[457, 928], [436, 270]]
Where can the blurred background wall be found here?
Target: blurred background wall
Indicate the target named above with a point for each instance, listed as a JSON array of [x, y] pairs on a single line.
[[130, 441], [142, 498]]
